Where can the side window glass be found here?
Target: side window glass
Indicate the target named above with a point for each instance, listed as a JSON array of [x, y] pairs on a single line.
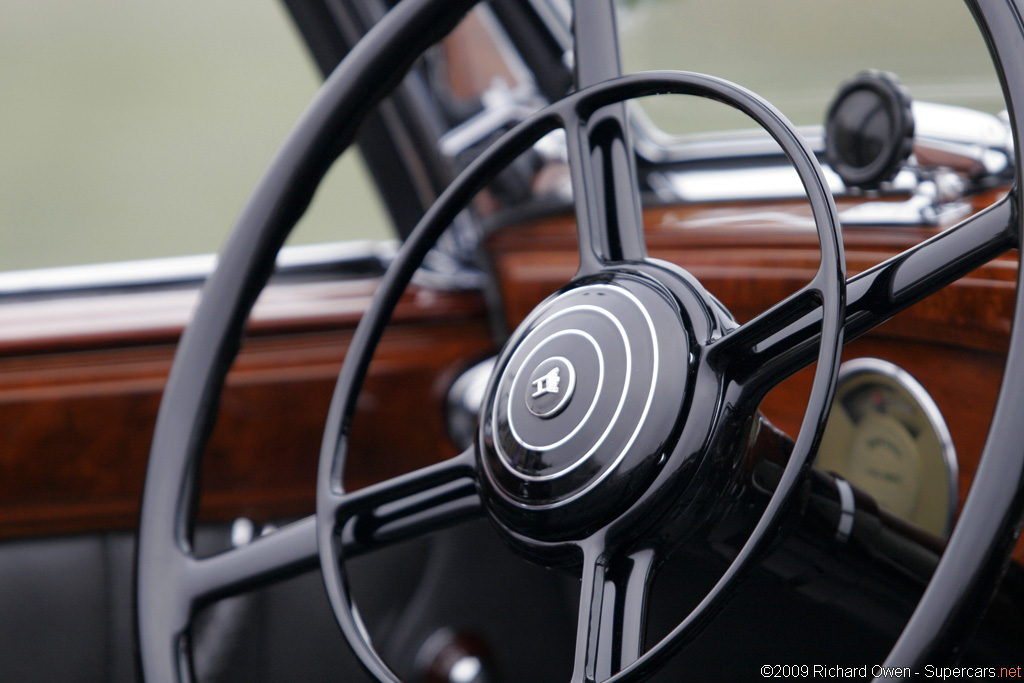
[[136, 130]]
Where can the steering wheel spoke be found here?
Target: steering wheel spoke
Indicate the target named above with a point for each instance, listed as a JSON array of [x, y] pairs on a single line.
[[393, 510], [604, 176], [427, 499], [738, 352], [275, 556], [606, 190], [784, 339], [878, 293], [613, 603]]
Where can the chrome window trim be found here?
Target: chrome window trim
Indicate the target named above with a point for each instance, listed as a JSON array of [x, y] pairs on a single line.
[[178, 270]]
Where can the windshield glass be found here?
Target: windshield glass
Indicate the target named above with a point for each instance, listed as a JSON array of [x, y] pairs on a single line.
[[795, 53]]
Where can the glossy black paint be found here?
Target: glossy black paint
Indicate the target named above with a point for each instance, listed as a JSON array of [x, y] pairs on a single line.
[[627, 336], [608, 216], [730, 369]]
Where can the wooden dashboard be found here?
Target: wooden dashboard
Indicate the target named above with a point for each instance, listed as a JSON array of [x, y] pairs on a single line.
[[81, 379], [81, 376]]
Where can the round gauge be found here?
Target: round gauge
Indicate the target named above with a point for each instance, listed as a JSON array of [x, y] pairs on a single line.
[[886, 436]]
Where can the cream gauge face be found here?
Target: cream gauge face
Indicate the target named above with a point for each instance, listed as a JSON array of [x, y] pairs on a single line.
[[886, 436]]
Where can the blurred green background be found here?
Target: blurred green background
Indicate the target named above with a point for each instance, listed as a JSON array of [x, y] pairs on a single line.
[[135, 129]]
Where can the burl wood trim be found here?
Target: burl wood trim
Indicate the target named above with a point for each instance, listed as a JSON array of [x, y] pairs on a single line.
[[77, 416]]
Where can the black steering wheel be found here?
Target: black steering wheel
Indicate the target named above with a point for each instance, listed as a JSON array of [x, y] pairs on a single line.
[[616, 413]]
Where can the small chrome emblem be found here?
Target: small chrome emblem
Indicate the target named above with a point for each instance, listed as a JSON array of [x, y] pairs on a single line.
[[550, 387], [548, 384]]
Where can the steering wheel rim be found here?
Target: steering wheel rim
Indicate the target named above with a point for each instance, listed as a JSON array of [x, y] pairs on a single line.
[[335, 508], [164, 554]]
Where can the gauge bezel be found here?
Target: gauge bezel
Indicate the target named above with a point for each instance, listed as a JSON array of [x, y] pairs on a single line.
[[855, 371]]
